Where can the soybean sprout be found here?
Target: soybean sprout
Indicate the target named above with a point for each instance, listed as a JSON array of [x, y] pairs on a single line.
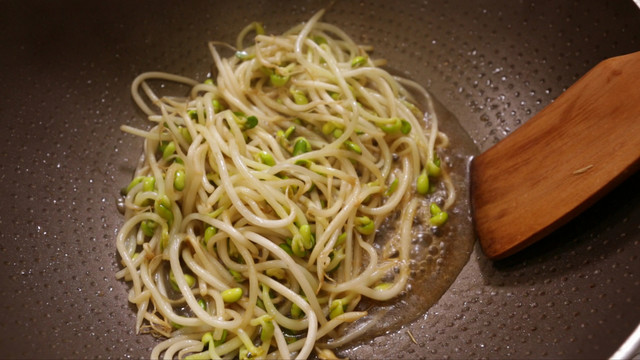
[[251, 218]]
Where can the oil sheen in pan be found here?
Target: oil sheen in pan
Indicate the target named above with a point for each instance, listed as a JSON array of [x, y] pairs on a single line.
[[437, 255]]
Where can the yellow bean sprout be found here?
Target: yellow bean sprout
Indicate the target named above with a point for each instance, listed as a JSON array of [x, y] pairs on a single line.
[[251, 219]]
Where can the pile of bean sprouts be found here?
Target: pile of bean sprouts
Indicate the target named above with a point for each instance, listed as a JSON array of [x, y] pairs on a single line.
[[252, 215]]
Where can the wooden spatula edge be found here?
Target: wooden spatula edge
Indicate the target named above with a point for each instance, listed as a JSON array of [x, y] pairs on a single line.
[[561, 161]]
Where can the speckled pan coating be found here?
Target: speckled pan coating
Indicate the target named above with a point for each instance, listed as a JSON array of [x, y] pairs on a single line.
[[65, 72]]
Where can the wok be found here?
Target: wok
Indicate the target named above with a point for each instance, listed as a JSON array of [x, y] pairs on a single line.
[[66, 71]]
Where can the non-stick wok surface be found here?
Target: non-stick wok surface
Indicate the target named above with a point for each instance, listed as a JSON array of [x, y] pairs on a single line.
[[66, 68]]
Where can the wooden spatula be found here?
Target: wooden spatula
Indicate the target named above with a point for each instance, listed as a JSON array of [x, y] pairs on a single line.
[[560, 161]]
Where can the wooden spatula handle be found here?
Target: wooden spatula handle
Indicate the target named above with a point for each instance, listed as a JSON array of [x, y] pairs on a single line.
[[560, 161]]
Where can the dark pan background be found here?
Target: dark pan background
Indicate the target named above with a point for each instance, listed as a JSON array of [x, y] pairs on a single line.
[[65, 72]]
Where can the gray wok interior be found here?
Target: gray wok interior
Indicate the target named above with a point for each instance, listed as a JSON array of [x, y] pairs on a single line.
[[65, 72]]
